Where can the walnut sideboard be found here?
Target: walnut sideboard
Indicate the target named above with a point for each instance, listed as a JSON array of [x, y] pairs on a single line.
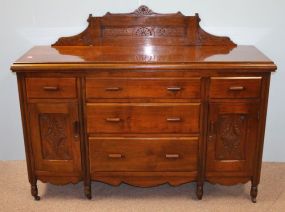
[[144, 99]]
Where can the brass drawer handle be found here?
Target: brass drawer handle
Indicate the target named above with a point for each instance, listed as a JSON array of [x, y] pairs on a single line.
[[51, 88], [174, 89], [113, 119], [236, 88], [113, 89], [172, 156], [115, 156], [174, 119]]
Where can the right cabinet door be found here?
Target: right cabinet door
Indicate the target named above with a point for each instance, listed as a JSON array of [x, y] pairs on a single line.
[[232, 139]]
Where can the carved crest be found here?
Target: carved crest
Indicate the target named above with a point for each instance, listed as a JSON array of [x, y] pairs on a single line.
[[143, 10]]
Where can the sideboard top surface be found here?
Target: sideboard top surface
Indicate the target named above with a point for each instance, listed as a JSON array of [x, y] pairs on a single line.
[[143, 56]]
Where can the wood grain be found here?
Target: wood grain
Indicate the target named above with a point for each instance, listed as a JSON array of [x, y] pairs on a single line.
[[145, 99], [143, 154]]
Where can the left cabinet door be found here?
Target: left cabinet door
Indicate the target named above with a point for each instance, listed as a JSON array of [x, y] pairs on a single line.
[[54, 131]]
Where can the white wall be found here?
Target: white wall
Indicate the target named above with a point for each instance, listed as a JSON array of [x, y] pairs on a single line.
[[24, 24]]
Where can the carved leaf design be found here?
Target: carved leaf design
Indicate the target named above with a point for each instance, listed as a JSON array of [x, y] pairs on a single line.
[[54, 137], [231, 137]]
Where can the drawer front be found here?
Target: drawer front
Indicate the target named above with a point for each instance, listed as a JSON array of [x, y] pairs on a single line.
[[235, 87], [143, 88], [143, 154], [51, 87], [143, 118]]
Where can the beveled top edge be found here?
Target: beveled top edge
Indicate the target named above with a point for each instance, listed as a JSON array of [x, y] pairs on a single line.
[[142, 55]]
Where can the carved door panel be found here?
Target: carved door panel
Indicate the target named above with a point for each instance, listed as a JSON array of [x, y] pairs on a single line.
[[55, 137], [232, 137]]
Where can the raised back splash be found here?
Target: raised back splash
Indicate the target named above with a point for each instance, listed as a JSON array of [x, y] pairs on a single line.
[[142, 27]]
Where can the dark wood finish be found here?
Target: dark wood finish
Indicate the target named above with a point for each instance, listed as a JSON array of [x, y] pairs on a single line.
[[144, 99]]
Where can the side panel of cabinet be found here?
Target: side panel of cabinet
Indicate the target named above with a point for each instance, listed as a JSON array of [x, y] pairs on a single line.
[[55, 137], [232, 140]]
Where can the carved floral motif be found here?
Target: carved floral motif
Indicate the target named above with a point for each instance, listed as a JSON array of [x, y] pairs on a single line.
[[231, 137], [53, 136], [144, 31]]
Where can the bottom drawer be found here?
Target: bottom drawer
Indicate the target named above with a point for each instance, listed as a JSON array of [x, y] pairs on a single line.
[[143, 154]]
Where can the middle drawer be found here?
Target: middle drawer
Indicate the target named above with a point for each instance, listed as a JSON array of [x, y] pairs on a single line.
[[143, 117], [167, 88]]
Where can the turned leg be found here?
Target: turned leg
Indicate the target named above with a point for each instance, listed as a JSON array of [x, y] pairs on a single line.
[[199, 191], [34, 191], [253, 193], [87, 191]]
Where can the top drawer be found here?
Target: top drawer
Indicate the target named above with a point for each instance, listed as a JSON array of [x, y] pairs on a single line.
[[235, 87], [143, 88], [51, 87]]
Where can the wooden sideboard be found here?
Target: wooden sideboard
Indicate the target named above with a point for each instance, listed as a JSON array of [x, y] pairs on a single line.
[[144, 99]]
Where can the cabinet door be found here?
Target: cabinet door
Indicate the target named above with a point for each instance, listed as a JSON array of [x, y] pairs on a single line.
[[232, 138], [54, 130]]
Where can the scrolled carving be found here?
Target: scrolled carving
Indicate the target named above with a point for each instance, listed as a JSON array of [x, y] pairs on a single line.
[[54, 137]]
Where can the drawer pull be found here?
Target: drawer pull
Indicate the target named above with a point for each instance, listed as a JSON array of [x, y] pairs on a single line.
[[115, 156], [174, 89], [236, 88], [113, 119], [76, 129], [176, 119], [172, 156], [51, 88], [113, 89]]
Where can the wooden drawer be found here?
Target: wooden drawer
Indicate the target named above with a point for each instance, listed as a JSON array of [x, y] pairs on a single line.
[[143, 88], [143, 154], [143, 117], [51, 87], [235, 87]]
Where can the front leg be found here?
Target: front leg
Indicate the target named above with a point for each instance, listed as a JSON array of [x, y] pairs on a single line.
[[34, 191], [87, 191], [199, 191], [253, 193]]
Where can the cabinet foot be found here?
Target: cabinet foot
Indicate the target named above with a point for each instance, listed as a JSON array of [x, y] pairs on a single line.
[[199, 191], [34, 192], [253, 193], [87, 191]]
